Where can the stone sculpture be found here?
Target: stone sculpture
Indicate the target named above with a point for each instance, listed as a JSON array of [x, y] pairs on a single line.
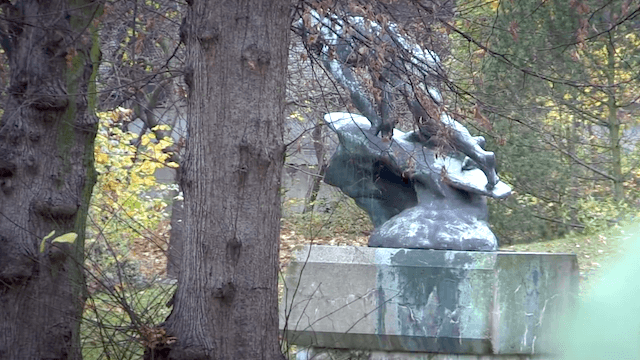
[[415, 198]]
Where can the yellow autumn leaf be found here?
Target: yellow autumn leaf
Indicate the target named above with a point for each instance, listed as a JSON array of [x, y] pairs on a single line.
[[162, 157], [149, 181], [66, 238], [129, 136], [147, 167], [112, 185], [45, 239], [127, 161], [161, 127], [145, 140], [102, 158], [164, 143]]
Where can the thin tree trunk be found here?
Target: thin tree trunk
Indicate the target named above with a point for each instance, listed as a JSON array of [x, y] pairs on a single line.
[[314, 189], [614, 127], [573, 173], [46, 174], [226, 303]]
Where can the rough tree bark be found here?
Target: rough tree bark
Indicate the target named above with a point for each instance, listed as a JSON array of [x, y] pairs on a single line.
[[46, 173], [176, 239], [226, 303]]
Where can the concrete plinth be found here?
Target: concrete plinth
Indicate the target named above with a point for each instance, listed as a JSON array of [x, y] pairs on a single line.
[[430, 301], [345, 354]]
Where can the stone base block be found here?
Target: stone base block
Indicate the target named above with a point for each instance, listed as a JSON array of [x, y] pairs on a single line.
[[343, 354], [430, 301]]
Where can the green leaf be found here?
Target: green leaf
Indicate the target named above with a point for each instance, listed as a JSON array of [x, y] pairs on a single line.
[[66, 238], [45, 239]]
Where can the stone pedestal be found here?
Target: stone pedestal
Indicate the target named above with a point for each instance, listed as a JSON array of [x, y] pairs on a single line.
[[394, 301]]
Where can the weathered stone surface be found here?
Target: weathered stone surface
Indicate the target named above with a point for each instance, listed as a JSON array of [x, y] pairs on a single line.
[[403, 300]]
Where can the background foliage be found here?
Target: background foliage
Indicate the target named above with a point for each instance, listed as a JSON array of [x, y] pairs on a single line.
[[554, 86]]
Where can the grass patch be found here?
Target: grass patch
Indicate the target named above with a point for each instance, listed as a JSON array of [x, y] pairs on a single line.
[[594, 251]]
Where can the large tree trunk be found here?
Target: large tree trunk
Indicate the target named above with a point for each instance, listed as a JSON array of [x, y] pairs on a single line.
[[226, 303], [46, 174]]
